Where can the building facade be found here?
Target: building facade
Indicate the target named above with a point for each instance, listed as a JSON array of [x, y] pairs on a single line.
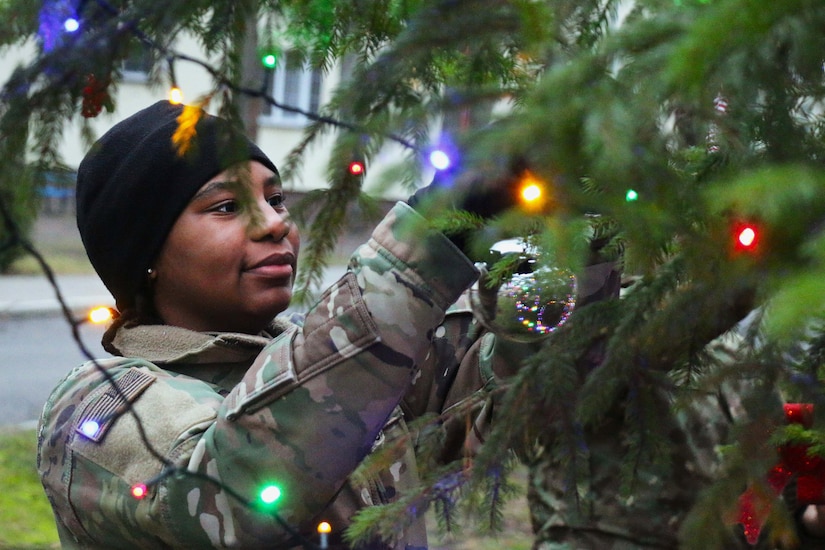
[[277, 131]]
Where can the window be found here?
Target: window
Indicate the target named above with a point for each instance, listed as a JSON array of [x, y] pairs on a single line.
[[293, 84], [136, 65]]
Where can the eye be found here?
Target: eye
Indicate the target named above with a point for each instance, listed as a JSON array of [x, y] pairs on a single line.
[[226, 207], [276, 201]]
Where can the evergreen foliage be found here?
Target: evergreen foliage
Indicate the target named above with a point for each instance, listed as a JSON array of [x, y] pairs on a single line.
[[710, 110]]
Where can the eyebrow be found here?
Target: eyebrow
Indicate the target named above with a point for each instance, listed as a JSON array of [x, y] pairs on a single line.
[[223, 185]]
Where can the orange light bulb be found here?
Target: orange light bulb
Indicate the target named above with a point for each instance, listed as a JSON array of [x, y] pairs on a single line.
[[100, 315]]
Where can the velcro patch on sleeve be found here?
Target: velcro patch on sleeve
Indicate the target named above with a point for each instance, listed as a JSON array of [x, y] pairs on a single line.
[[277, 376], [105, 406]]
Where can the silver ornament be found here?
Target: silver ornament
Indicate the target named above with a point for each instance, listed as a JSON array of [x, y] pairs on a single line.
[[530, 305]]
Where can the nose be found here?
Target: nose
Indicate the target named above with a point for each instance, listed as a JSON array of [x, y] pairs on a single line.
[[266, 222]]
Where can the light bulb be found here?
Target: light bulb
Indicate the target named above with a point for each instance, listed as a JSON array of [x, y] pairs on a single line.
[[71, 24], [270, 494], [440, 160], [100, 315], [175, 95], [139, 490]]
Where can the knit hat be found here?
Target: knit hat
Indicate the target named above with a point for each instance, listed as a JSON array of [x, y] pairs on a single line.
[[133, 184]]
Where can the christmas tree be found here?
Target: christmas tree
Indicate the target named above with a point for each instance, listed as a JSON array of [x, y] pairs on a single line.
[[678, 143]]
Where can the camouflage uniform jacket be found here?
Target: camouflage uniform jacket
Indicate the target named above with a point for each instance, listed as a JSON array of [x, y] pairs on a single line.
[[602, 512], [299, 407], [648, 516]]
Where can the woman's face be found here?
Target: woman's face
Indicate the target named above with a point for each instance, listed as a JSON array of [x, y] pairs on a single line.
[[229, 262]]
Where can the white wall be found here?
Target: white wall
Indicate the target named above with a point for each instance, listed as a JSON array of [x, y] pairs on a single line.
[[131, 96]]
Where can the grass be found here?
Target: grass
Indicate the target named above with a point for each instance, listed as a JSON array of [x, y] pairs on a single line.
[[25, 513], [27, 265], [56, 238]]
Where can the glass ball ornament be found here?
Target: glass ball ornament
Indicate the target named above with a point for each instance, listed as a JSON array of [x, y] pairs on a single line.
[[530, 305]]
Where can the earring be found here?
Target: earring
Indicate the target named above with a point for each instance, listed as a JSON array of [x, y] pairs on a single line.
[[151, 274]]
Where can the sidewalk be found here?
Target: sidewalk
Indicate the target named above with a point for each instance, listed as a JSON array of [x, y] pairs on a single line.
[[34, 295]]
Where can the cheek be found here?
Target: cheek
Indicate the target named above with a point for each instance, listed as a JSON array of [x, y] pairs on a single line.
[[193, 254]]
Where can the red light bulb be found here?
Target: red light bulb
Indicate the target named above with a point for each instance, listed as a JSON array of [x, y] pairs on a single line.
[[139, 490], [356, 168], [747, 237]]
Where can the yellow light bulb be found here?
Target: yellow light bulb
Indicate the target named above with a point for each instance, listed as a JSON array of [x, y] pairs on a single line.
[[324, 529], [175, 95], [532, 192]]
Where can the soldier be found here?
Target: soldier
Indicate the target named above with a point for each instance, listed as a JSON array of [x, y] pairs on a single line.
[[211, 400]]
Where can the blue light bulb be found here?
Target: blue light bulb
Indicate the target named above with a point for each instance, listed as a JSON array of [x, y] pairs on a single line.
[[71, 24], [439, 159], [90, 428]]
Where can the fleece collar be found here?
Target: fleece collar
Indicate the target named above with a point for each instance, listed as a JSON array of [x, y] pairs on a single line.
[[168, 344]]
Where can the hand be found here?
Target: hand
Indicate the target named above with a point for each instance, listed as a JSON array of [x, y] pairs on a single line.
[[485, 191]]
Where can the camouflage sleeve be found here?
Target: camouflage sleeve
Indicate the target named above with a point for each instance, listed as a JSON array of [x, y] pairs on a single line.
[[462, 377], [316, 399], [306, 413]]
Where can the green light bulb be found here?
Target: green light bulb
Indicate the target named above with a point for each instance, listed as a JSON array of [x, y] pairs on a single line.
[[270, 494], [269, 60]]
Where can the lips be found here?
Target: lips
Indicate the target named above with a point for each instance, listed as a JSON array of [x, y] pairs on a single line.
[[275, 266]]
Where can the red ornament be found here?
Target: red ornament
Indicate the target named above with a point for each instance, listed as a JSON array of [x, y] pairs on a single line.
[[754, 506], [799, 413], [95, 97], [753, 510]]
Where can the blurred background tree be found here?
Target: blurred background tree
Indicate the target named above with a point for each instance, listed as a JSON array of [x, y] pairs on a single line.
[[684, 136]]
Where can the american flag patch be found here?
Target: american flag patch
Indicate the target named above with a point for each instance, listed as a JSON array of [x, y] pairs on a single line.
[[101, 412]]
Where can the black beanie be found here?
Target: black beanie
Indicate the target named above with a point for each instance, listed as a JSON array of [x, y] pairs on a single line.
[[133, 184]]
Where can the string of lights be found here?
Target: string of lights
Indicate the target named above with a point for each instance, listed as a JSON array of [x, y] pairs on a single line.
[[270, 494], [72, 24], [69, 20]]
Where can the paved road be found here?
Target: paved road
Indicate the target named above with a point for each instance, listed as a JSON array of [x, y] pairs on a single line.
[[38, 349], [35, 352]]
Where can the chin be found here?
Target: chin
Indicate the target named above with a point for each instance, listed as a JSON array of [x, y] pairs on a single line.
[[273, 308]]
